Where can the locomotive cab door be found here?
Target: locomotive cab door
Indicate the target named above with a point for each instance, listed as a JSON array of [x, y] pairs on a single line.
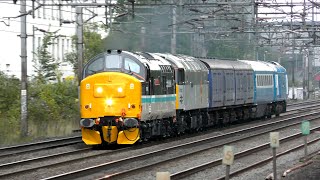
[[282, 86], [146, 96]]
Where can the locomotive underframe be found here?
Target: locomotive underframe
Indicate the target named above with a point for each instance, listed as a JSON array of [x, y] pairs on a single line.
[[199, 119], [188, 121]]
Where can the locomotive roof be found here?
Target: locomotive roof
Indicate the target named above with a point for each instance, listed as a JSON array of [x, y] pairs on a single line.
[[154, 61], [260, 66], [192, 63], [226, 64], [172, 58], [183, 61], [280, 69]]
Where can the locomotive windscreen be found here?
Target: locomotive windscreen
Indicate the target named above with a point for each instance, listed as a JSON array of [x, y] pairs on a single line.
[[115, 63]]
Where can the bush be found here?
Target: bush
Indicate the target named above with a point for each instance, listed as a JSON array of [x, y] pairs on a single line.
[[9, 108], [53, 109]]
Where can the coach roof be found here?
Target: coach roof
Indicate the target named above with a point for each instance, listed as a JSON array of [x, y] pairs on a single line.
[[260, 66], [226, 64]]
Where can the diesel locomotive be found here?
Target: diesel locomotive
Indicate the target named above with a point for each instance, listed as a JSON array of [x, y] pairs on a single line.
[[127, 97]]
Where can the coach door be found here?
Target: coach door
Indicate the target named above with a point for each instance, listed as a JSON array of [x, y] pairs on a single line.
[[218, 88], [229, 87]]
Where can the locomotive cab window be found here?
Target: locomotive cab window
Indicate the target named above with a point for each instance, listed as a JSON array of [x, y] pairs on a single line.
[[115, 63], [131, 65], [95, 66]]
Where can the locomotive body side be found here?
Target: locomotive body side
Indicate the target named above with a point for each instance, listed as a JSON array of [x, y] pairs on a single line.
[[280, 88], [191, 91], [159, 99], [266, 87]]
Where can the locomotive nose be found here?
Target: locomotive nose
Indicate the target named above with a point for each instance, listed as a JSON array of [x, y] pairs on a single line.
[[110, 94]]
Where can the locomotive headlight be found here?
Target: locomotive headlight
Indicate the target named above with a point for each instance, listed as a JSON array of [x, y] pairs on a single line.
[[109, 102], [99, 90], [120, 89]]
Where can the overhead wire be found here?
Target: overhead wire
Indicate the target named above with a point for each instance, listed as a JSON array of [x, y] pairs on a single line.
[[39, 24], [43, 7], [9, 31]]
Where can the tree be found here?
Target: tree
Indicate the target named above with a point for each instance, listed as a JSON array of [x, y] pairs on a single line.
[[9, 92], [9, 107], [45, 65], [93, 45]]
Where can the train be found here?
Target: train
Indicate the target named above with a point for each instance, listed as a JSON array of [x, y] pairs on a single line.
[[128, 97]]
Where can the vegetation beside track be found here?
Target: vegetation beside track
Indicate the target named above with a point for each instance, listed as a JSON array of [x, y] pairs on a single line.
[[52, 109], [53, 106]]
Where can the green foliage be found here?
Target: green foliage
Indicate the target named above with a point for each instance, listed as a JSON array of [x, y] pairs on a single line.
[[93, 45], [58, 101], [53, 103], [9, 107], [45, 65], [53, 109], [9, 92]]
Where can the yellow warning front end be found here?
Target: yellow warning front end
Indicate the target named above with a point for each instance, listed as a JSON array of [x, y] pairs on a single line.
[[110, 105]]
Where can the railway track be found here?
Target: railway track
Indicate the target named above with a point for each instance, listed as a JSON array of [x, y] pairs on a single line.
[[121, 162], [217, 162], [33, 147], [48, 145], [43, 159], [303, 103], [30, 147], [266, 160], [36, 146]]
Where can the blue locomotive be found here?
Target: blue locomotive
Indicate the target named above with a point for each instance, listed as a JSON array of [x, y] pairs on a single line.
[[131, 96]]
